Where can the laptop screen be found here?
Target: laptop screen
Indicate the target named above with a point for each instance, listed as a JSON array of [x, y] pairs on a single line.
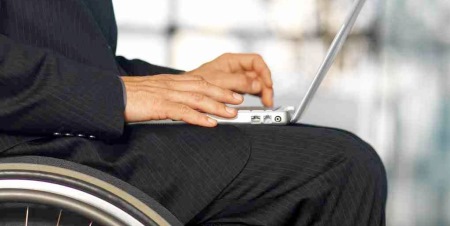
[[335, 47]]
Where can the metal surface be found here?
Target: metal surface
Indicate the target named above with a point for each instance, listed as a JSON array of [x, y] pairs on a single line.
[[246, 115], [45, 169], [32, 196], [69, 193], [336, 46], [257, 117]]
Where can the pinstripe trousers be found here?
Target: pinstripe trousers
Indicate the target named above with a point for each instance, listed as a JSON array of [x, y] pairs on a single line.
[[240, 175]]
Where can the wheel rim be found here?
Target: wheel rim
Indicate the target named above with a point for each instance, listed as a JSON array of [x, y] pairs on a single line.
[[92, 214], [11, 170], [65, 197]]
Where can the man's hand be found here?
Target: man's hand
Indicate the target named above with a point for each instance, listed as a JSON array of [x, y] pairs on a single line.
[[177, 97], [243, 73]]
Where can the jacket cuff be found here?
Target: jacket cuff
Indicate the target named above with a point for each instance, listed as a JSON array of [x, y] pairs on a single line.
[[124, 92]]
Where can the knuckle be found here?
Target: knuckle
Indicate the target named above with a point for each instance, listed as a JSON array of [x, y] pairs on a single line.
[[197, 77], [184, 110], [197, 97], [244, 81], [168, 83], [156, 102], [226, 55], [204, 84], [219, 108], [258, 57]]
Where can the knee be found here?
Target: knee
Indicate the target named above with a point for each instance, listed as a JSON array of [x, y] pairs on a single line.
[[360, 159]]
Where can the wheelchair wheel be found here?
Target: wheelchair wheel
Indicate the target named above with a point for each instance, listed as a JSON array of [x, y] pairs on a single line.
[[38, 194]]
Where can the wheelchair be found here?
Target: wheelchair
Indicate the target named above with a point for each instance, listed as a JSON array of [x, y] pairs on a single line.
[[41, 191]]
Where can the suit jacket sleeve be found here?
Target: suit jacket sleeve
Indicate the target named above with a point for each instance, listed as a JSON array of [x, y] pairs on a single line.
[[142, 68], [43, 92]]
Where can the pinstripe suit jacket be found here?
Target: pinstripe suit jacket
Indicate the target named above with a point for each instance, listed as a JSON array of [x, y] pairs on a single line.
[[59, 72]]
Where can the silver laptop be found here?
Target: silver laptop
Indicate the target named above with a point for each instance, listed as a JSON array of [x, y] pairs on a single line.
[[287, 115]]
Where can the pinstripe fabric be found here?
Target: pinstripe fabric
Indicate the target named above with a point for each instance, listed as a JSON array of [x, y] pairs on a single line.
[[58, 70], [303, 175], [58, 73], [245, 175], [182, 167]]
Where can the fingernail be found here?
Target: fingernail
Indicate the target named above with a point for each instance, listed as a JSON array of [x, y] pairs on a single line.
[[237, 96], [255, 85], [230, 110], [212, 121]]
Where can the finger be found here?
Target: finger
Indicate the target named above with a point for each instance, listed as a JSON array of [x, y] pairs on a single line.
[[181, 112], [181, 77], [251, 74], [205, 88], [260, 89], [243, 83], [251, 62], [267, 97], [161, 77], [240, 82], [266, 94], [198, 101]]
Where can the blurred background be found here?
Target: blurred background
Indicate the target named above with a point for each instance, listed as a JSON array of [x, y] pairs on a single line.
[[390, 84]]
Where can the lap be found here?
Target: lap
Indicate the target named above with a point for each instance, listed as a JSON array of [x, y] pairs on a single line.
[[300, 174], [185, 167]]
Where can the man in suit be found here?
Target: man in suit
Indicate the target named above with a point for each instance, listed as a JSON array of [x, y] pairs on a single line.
[[65, 94]]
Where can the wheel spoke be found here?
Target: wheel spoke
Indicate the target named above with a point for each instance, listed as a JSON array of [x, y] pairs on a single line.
[[59, 217], [26, 216]]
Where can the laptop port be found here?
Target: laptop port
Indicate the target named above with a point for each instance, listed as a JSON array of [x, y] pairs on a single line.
[[267, 119], [256, 119], [278, 119]]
